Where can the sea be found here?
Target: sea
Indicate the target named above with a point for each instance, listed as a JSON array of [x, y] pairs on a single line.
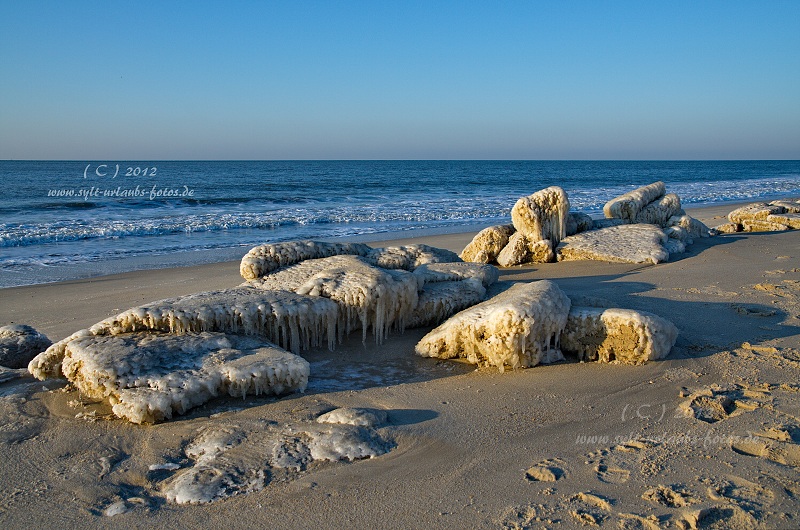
[[66, 220]]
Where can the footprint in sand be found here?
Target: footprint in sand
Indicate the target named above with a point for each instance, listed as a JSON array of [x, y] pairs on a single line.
[[549, 470], [721, 517], [786, 453], [614, 465], [742, 492], [717, 403], [674, 496]]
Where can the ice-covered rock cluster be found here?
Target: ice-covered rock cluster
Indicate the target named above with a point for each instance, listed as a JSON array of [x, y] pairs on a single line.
[[298, 302], [776, 216], [645, 225], [533, 323], [19, 344]]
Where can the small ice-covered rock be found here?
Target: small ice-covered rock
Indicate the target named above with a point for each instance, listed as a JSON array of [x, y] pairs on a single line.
[[263, 259], [674, 246], [628, 205], [409, 257], [660, 210], [623, 335], [520, 250], [792, 220], [728, 228], [542, 215], [518, 328], [440, 300], [487, 244], [455, 271], [354, 416], [629, 243], [767, 225], [696, 229], [599, 224], [578, 222], [115, 508], [19, 344], [148, 377]]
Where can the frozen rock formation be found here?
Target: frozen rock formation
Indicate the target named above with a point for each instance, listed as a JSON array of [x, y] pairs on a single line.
[[542, 216], [776, 216], [19, 344], [636, 243], [409, 257], [521, 250], [696, 229], [368, 297], [487, 244], [629, 205], [660, 210], [267, 258], [354, 416], [291, 320], [518, 328], [438, 301], [148, 377], [578, 222], [621, 335], [449, 272]]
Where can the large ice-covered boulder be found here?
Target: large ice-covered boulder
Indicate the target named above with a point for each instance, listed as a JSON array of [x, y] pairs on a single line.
[[542, 216], [628, 205], [286, 318], [627, 243], [487, 244], [19, 344], [622, 335], [517, 328], [148, 377]]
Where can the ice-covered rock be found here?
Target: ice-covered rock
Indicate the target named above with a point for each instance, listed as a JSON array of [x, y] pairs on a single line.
[[598, 224], [679, 233], [409, 257], [674, 246], [622, 335], [266, 258], [578, 222], [518, 328], [288, 319], [368, 297], [766, 225], [791, 220], [728, 228], [791, 206], [148, 377], [440, 300], [521, 250], [487, 244], [695, 228], [542, 215], [354, 416], [19, 344], [449, 272], [757, 211], [635, 243], [628, 205], [660, 210]]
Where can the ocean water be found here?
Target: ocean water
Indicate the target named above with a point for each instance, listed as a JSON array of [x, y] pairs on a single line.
[[63, 220]]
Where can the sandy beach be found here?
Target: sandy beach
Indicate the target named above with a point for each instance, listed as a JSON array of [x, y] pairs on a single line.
[[706, 438]]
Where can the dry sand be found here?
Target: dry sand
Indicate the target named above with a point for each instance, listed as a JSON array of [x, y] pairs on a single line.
[[707, 438]]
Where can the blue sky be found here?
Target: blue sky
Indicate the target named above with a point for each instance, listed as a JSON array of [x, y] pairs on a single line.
[[400, 80]]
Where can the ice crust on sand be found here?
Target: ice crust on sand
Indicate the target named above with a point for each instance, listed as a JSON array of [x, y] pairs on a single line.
[[487, 244], [543, 215], [263, 259], [518, 328], [148, 377], [629, 205], [635, 243], [623, 335], [292, 321], [354, 416], [19, 344]]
